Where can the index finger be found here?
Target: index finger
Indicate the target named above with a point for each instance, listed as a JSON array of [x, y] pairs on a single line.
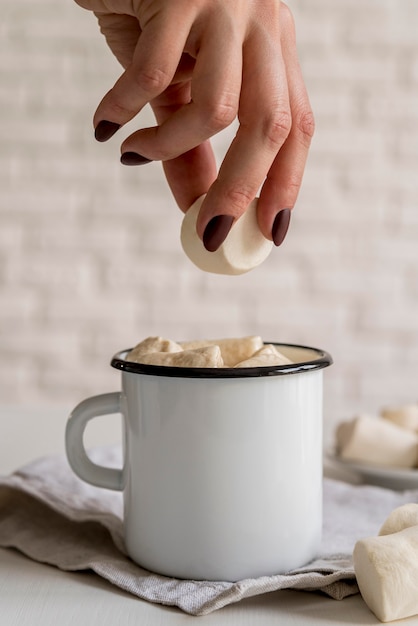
[[212, 102], [155, 59]]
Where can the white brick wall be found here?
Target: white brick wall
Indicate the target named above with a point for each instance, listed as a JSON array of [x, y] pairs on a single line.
[[90, 259]]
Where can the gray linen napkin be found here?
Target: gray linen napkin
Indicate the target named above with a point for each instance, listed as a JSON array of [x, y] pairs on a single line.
[[51, 516]]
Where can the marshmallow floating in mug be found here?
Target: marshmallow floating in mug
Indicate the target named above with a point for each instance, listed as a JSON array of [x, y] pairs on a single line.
[[244, 248], [235, 352]]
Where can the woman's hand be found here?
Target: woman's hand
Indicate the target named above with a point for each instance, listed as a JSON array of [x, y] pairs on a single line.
[[201, 64]]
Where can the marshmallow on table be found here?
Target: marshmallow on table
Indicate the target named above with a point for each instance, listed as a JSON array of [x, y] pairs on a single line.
[[244, 248], [404, 416], [403, 517], [377, 441], [386, 566]]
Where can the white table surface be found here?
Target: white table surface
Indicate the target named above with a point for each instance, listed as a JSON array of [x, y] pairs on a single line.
[[33, 594]]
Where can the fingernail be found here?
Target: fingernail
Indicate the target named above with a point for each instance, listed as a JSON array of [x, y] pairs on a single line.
[[280, 226], [105, 130], [216, 231], [133, 158]]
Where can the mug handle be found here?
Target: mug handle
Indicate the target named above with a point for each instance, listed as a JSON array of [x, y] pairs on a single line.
[[90, 472]]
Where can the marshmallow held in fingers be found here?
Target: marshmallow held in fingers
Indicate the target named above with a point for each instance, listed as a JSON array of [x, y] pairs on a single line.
[[377, 441], [244, 248], [404, 416], [386, 567]]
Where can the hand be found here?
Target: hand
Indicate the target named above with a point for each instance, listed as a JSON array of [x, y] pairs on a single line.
[[201, 64]]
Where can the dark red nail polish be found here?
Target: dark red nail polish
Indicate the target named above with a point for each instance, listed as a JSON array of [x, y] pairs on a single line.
[[105, 130], [216, 231], [280, 226], [133, 158]]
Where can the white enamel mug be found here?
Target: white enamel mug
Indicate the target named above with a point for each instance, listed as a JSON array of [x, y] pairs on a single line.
[[222, 471]]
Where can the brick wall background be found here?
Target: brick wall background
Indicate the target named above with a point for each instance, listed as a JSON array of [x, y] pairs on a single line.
[[90, 258]]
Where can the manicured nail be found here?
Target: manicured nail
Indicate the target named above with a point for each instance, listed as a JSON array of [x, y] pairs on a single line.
[[133, 158], [216, 231], [105, 130], [280, 226]]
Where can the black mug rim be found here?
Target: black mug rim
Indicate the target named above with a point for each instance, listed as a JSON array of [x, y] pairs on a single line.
[[324, 360]]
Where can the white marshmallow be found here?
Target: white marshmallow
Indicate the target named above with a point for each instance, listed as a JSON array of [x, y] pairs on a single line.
[[244, 248], [209, 356], [232, 350], [403, 517], [404, 416], [386, 567], [267, 355], [377, 441], [152, 344]]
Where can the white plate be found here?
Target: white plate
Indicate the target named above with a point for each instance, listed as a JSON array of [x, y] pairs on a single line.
[[388, 477]]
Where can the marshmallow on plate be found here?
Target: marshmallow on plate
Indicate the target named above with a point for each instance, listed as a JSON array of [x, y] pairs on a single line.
[[377, 441], [404, 416]]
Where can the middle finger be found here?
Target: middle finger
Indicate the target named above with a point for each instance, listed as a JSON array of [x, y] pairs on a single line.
[[213, 105], [265, 122]]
